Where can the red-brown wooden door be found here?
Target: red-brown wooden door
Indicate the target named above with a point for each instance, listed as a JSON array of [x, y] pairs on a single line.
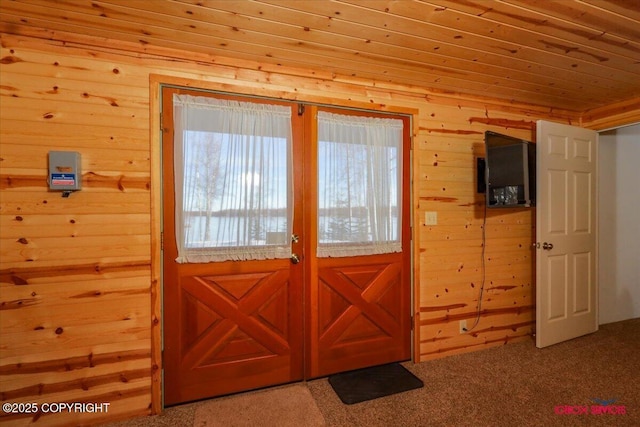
[[358, 308], [239, 325], [228, 326]]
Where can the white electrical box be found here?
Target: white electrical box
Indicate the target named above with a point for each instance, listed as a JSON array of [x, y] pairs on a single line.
[[65, 172]]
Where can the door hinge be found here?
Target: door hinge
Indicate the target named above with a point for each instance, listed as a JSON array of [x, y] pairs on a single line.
[[161, 122], [300, 109], [162, 241]]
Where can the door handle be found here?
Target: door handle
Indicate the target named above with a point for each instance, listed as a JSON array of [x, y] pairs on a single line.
[[547, 246], [295, 259]]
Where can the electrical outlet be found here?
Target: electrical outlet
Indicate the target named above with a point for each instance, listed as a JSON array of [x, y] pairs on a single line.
[[463, 326], [431, 218]]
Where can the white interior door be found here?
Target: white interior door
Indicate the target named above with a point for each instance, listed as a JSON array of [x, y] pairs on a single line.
[[566, 277]]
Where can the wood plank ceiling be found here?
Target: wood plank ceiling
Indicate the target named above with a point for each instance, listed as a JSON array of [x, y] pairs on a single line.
[[561, 54]]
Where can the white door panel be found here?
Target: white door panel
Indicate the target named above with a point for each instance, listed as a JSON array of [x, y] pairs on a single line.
[[566, 304]]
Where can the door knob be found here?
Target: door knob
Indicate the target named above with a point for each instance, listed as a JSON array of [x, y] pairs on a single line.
[[295, 258], [547, 246]]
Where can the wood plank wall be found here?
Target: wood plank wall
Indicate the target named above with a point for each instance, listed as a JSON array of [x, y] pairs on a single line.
[[452, 269], [79, 307], [75, 272]]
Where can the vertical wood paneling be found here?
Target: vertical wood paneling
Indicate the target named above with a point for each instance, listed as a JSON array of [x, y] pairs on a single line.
[[80, 279]]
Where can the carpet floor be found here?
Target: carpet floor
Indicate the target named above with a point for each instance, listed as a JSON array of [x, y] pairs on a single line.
[[291, 406], [589, 381]]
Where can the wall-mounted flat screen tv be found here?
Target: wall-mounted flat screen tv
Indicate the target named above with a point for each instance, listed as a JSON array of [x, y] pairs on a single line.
[[510, 171]]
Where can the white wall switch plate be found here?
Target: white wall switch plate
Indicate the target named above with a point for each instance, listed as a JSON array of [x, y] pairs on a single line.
[[431, 218]]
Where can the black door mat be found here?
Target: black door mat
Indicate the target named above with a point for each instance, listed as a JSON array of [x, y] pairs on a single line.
[[372, 383]]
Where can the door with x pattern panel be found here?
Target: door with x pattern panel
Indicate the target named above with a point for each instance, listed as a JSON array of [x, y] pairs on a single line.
[[232, 326]]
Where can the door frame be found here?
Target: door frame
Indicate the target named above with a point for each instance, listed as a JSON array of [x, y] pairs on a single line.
[[156, 82]]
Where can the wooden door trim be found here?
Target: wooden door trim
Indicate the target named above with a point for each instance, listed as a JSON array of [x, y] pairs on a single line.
[[155, 100], [311, 233]]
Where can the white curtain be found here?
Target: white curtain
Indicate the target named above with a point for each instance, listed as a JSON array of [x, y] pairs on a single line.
[[232, 167], [359, 185]]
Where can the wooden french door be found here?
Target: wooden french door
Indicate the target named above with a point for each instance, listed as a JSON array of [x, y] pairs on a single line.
[[239, 325], [228, 326], [358, 308]]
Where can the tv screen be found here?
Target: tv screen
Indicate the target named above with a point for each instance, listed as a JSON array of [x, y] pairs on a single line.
[[510, 171]]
